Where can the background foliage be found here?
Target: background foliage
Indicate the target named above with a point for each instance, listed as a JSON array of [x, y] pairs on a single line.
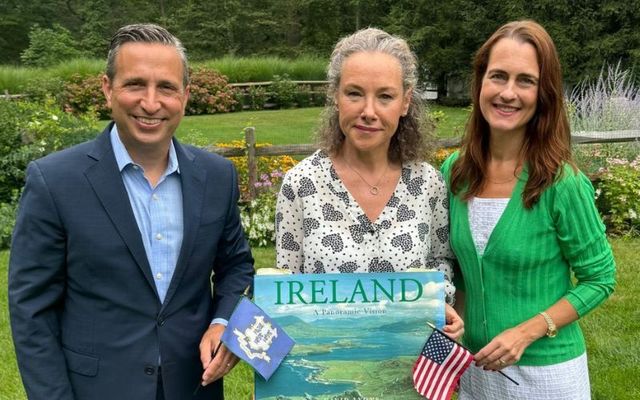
[[49, 46], [29, 131], [444, 34]]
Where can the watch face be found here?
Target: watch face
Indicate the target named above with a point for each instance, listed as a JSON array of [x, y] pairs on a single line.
[[552, 333]]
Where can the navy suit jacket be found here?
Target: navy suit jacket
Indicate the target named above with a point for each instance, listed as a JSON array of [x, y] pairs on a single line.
[[86, 318]]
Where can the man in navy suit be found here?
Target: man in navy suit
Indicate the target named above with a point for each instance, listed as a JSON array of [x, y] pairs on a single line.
[[117, 244]]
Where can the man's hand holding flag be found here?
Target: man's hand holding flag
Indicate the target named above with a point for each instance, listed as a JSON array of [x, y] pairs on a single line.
[[254, 337]]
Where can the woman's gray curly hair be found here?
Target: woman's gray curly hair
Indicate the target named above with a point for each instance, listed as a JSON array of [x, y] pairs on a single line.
[[410, 141]]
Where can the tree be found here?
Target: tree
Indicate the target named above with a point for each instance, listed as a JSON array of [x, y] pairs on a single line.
[[444, 36], [49, 46]]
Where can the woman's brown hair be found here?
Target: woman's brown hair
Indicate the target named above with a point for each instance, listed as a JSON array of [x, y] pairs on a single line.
[[547, 143]]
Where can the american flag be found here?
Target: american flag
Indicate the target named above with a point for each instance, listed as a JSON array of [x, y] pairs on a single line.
[[439, 367]]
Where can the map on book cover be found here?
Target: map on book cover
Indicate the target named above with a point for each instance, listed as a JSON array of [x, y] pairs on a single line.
[[357, 335]]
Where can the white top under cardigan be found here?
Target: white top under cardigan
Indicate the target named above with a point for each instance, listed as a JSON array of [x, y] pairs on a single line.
[[568, 380], [484, 214]]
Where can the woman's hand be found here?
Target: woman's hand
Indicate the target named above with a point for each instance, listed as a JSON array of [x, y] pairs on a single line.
[[454, 325], [504, 350]]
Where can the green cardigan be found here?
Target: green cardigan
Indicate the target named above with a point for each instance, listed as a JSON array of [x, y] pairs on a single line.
[[528, 261]]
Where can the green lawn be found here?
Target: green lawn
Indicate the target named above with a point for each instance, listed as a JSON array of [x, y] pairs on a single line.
[[611, 332], [285, 126]]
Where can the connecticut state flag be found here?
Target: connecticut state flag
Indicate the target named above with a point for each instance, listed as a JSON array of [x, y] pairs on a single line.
[[439, 367], [254, 337]]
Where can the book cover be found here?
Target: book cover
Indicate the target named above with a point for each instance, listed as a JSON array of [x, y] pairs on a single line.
[[357, 335]]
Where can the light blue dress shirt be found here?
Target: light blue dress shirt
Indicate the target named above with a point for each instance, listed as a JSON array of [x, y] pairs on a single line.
[[158, 211]]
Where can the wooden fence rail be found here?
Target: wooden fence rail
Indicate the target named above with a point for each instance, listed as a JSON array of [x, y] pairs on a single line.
[[251, 151]]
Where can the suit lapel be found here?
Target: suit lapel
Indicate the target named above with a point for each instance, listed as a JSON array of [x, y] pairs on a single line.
[[193, 187], [107, 183]]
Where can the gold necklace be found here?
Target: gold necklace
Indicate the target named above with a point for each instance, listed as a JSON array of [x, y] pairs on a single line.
[[513, 178], [502, 182], [373, 189]]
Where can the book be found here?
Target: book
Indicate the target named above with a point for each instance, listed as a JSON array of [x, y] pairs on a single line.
[[357, 335]]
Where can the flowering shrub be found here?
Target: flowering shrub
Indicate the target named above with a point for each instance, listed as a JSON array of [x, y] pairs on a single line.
[[611, 102], [257, 215], [84, 94], [618, 193], [210, 93], [442, 154], [266, 165], [258, 218]]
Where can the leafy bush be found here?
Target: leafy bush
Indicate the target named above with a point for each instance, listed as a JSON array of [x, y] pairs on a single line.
[[283, 91], [619, 195], [7, 221], [305, 97], [437, 116], [210, 93], [45, 87], [49, 46], [256, 97], [29, 131], [32, 130]]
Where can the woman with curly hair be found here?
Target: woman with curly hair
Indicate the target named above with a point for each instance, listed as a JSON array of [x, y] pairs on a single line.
[[367, 201]]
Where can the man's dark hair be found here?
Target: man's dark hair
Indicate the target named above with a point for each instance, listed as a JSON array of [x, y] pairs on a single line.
[[145, 33]]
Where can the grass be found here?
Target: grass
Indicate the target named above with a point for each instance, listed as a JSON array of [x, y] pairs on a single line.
[[15, 79], [611, 334], [273, 126], [291, 126], [612, 330], [10, 383], [258, 69]]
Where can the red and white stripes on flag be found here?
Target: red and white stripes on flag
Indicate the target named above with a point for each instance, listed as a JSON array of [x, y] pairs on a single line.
[[439, 367]]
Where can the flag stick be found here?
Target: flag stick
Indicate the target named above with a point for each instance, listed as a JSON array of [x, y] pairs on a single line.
[[432, 326], [213, 355]]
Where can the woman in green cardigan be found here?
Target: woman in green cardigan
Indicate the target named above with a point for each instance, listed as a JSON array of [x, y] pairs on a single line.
[[523, 220]]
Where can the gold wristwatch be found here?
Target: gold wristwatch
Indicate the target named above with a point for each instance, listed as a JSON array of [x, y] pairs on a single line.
[[552, 331]]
